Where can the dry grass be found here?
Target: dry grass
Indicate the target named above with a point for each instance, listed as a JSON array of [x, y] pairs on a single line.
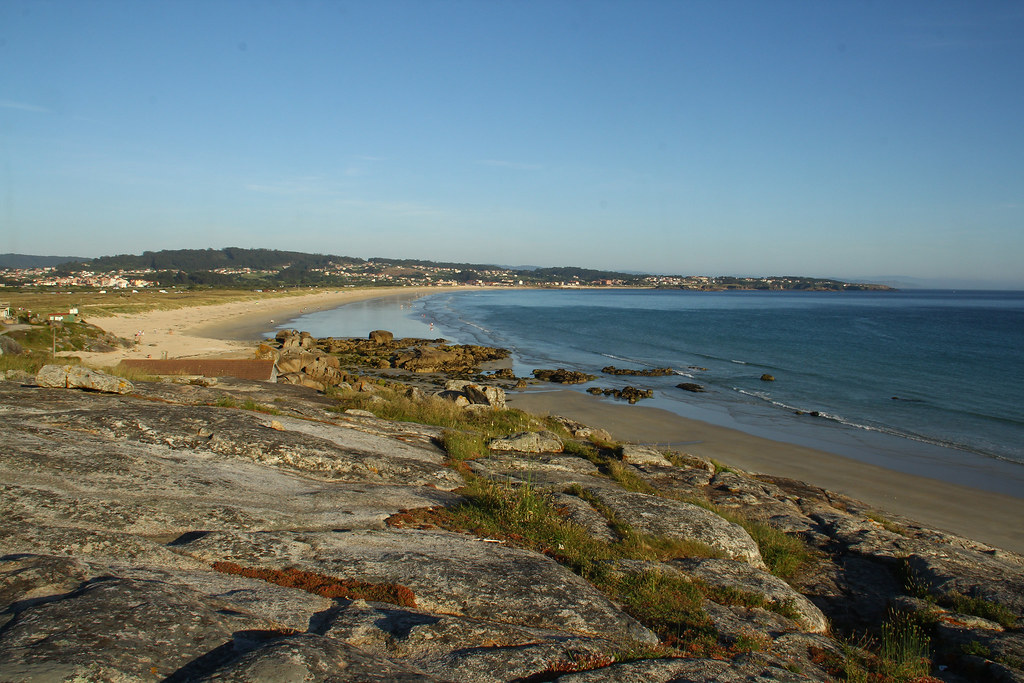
[[92, 304]]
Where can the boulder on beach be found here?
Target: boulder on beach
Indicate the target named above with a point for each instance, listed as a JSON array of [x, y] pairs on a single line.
[[80, 377], [563, 376]]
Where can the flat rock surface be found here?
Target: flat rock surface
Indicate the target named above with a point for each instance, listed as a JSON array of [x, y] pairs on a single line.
[[118, 513], [656, 515], [449, 573]]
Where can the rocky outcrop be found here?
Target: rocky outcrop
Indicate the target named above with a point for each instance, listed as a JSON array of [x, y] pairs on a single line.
[[380, 350], [643, 455], [9, 347], [166, 535], [528, 442], [691, 386], [381, 337], [745, 577], [660, 516], [631, 394], [647, 372], [445, 358], [563, 376], [581, 431], [81, 377], [466, 393]]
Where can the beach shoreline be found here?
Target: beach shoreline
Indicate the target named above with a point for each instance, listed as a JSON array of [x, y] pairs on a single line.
[[228, 330], [979, 515], [231, 330]]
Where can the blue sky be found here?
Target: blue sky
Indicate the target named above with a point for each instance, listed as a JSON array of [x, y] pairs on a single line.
[[844, 139]]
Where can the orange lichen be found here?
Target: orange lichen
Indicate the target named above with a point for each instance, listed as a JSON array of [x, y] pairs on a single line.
[[321, 584]]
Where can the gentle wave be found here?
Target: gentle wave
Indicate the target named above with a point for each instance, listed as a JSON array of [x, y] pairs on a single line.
[[820, 347], [904, 434]]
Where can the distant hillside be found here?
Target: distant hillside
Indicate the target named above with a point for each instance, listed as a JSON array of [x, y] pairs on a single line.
[[272, 268], [30, 261], [191, 260]]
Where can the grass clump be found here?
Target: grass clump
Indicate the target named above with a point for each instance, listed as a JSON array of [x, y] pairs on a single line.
[[901, 654], [979, 607], [463, 445], [130, 374], [919, 587], [25, 362], [785, 556], [719, 467], [904, 649], [888, 524], [258, 407], [393, 404], [669, 604]]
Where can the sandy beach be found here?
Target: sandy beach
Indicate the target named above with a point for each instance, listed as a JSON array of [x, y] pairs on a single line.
[[229, 330], [222, 330]]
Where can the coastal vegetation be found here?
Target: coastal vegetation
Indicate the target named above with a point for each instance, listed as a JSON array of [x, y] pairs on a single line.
[[528, 515], [30, 347], [92, 304]]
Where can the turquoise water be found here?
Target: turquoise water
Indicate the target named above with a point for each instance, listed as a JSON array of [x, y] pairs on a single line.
[[928, 382]]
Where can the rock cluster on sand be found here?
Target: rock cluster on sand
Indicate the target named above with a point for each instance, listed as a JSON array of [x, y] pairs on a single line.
[[161, 535], [646, 372], [628, 393], [317, 363], [467, 393], [563, 376]]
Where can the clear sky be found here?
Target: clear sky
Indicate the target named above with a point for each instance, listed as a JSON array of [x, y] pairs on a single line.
[[845, 139]]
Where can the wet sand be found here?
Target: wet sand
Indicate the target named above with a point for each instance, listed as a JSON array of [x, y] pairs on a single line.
[[991, 518]]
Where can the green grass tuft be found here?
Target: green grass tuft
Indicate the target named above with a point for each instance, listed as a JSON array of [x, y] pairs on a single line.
[[979, 607]]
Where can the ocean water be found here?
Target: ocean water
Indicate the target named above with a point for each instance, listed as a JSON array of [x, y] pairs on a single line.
[[927, 382]]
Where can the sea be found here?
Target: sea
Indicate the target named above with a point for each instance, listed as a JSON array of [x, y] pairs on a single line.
[[927, 382]]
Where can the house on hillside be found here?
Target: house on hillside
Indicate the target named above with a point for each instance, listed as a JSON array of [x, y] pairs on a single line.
[[70, 317]]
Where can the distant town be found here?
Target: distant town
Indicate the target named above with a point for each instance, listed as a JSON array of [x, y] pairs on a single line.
[[272, 269]]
